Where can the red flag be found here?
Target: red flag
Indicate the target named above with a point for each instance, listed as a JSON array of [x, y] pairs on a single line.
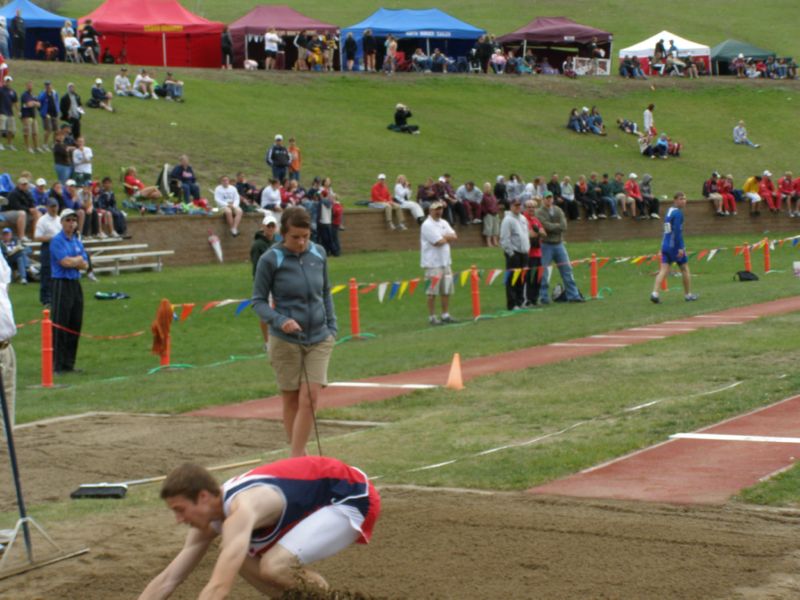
[[187, 310], [412, 285]]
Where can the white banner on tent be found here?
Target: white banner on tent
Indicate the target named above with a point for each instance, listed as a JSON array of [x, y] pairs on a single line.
[[593, 66]]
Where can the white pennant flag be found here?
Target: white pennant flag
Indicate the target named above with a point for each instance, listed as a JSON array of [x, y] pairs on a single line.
[[382, 291], [494, 276], [712, 254], [772, 245]]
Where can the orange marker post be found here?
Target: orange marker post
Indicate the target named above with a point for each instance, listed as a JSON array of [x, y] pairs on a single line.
[[593, 277], [476, 293], [165, 358], [748, 264], [355, 324], [47, 350], [767, 257]]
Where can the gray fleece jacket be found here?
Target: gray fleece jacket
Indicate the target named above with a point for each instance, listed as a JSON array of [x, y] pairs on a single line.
[[301, 291]]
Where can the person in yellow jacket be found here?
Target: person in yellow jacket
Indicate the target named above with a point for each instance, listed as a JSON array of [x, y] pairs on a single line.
[[750, 190]]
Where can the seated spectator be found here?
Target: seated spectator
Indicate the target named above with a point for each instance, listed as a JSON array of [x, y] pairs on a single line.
[[426, 193], [575, 122], [738, 66], [470, 198], [546, 68], [753, 69], [183, 174], [570, 206], [381, 199], [491, 222], [144, 86], [453, 208], [420, 61], [595, 193], [112, 219], [173, 88], [271, 198], [628, 126], [673, 148], [516, 64], [227, 199], [787, 192], [123, 86], [293, 194], [725, 188], [514, 188], [584, 196], [21, 199], [796, 200], [401, 116], [633, 192], [554, 187], [402, 196], [661, 147], [90, 45], [636, 68], [134, 187], [712, 193], [766, 189], [91, 222], [500, 192], [40, 195], [439, 62], [568, 68], [750, 191], [617, 186], [607, 198], [16, 255], [99, 97], [740, 136], [498, 62], [595, 121], [72, 49], [691, 71], [626, 68], [675, 65], [645, 148], [650, 203], [248, 193]]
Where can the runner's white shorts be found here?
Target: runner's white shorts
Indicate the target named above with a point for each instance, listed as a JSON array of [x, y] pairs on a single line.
[[323, 533]]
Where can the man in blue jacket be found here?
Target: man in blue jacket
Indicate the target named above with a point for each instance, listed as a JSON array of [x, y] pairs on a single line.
[[48, 109]]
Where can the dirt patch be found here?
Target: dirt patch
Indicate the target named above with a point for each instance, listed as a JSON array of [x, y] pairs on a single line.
[[427, 543]]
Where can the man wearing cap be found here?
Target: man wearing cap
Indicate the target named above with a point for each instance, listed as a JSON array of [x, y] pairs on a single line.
[[100, 98], [227, 199], [122, 85], [381, 199], [766, 189], [29, 105], [20, 199], [8, 360], [633, 191], [553, 250], [279, 159], [436, 235], [72, 109], [263, 240], [8, 100], [47, 227], [48, 109], [40, 194], [67, 259], [515, 242]]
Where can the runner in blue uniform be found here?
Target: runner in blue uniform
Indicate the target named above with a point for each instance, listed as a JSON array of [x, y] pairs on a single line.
[[673, 250]]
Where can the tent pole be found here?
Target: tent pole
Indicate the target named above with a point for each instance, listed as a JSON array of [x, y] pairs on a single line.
[[524, 48], [428, 46], [246, 40], [164, 46]]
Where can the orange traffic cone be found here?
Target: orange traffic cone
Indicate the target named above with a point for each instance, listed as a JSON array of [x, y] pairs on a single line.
[[454, 380]]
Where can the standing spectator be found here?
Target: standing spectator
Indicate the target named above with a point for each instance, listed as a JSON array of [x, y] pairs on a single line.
[[227, 49], [8, 329], [17, 30], [740, 136], [490, 208], [436, 235], [227, 199], [553, 251], [67, 259], [350, 51], [99, 97], [337, 217], [183, 173], [300, 42], [264, 239], [302, 326], [47, 227], [122, 85], [82, 157], [4, 40], [271, 42], [649, 121], [673, 250], [296, 156], [390, 59], [29, 105], [72, 109], [62, 157], [536, 232], [48, 109], [325, 219], [8, 124], [515, 242], [402, 196], [380, 199], [279, 159], [370, 47]]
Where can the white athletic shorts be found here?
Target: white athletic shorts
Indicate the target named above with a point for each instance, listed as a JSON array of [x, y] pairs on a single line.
[[323, 533]]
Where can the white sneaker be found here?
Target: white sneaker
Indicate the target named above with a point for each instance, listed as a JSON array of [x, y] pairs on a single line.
[[401, 227], [654, 216], [91, 276], [434, 320], [115, 235], [31, 150]]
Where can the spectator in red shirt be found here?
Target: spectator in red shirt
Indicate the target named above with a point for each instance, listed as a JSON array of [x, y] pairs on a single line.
[[632, 191], [725, 189], [489, 209], [766, 189], [786, 191], [536, 232], [381, 199], [134, 187], [796, 203]]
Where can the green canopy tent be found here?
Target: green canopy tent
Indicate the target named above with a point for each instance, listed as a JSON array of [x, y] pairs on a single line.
[[723, 54]]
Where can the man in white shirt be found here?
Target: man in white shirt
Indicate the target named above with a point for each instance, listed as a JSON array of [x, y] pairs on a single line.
[[227, 199], [436, 235], [144, 86], [8, 360], [47, 227], [271, 196], [515, 242]]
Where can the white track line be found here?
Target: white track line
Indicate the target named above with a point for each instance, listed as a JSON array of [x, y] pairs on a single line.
[[722, 437], [713, 323], [369, 384], [641, 406], [723, 317], [722, 389], [588, 345], [631, 336], [656, 328]]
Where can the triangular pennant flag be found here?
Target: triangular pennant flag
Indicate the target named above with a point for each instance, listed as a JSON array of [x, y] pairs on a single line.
[[712, 254], [242, 305], [393, 291], [337, 288], [187, 310], [524, 273], [506, 277], [621, 259], [795, 241], [210, 305], [638, 260], [490, 276], [702, 254], [464, 277], [368, 289], [737, 250], [493, 275], [603, 262], [382, 291], [412, 285], [772, 245], [403, 288], [222, 303], [515, 276], [539, 273]]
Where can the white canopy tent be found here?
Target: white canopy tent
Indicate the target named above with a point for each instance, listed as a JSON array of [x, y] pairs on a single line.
[[644, 49]]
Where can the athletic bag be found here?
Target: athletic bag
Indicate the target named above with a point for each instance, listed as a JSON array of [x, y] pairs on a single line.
[[745, 276]]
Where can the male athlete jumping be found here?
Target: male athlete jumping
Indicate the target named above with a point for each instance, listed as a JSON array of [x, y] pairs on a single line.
[[274, 520], [673, 250]]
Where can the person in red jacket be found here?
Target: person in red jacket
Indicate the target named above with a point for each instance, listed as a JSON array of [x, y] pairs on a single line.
[[786, 191], [766, 189], [632, 191], [725, 189], [381, 199]]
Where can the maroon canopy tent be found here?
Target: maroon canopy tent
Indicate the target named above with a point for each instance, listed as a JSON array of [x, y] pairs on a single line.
[[248, 32], [559, 37]]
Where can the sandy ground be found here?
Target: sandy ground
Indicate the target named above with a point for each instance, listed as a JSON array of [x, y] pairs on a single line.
[[427, 543]]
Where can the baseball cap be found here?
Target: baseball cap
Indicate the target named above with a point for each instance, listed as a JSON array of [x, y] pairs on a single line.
[[767, 174], [442, 180], [381, 176], [279, 138], [436, 204], [41, 181], [68, 212], [70, 182], [9, 78], [7, 230], [632, 176], [269, 220], [548, 193], [52, 201], [98, 81]]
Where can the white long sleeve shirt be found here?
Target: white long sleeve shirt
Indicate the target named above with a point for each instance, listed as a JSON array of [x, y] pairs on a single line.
[[226, 196]]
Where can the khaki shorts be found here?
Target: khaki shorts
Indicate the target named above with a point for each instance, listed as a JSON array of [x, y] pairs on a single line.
[[8, 124], [30, 126], [444, 285], [50, 123], [288, 360]]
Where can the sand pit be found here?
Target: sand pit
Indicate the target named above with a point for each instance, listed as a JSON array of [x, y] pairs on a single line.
[[427, 544]]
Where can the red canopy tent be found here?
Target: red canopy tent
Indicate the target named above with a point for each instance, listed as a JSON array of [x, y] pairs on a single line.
[[248, 32], [157, 32]]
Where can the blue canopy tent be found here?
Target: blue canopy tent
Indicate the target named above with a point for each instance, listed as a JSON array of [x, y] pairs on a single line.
[[40, 25], [428, 28]]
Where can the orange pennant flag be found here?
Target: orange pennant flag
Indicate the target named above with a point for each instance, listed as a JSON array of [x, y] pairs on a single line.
[[368, 288], [187, 310], [412, 285], [210, 305]]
